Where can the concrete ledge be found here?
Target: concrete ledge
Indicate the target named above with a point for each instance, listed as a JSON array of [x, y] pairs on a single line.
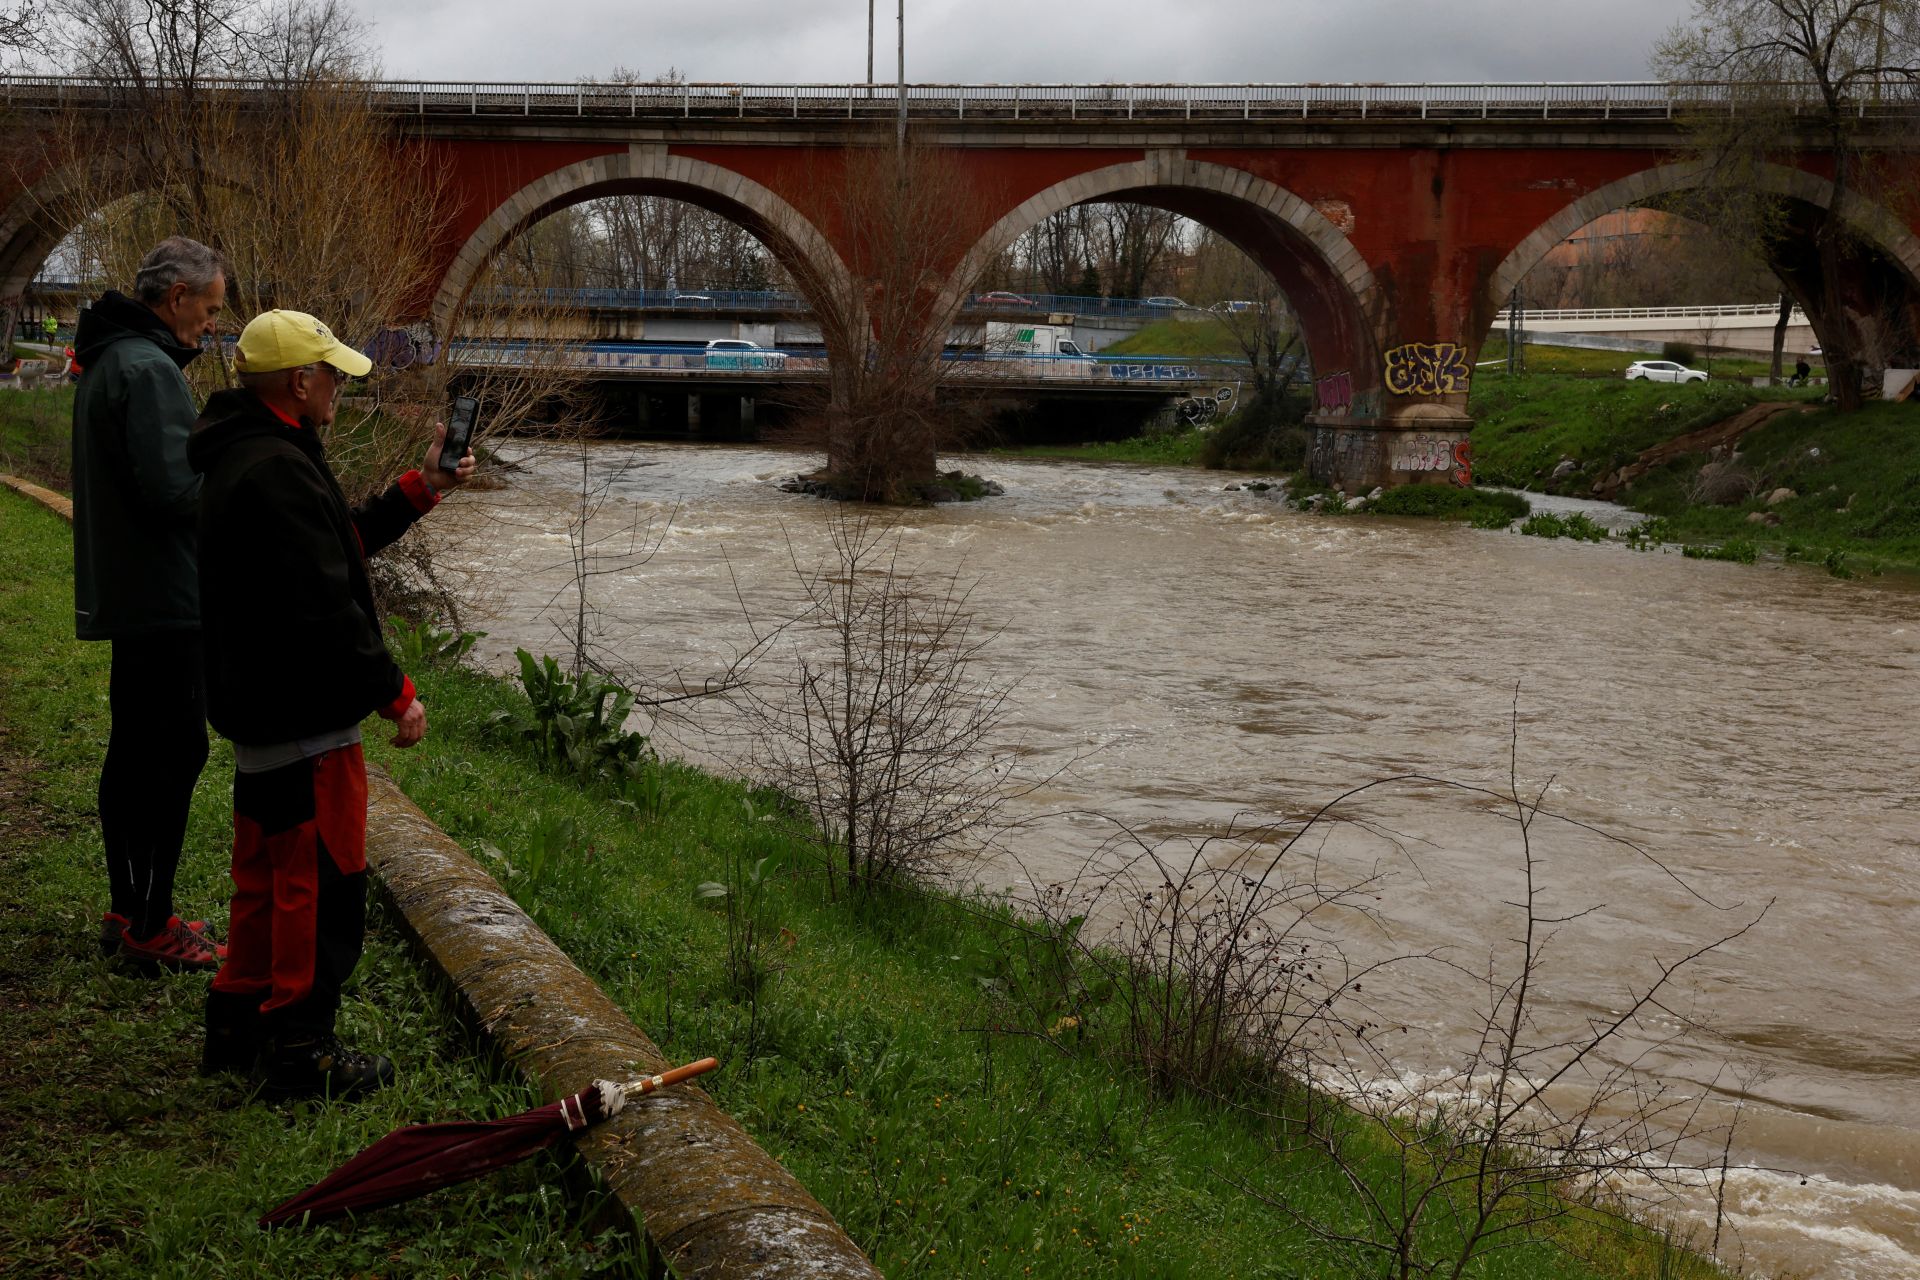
[[711, 1201], [59, 504]]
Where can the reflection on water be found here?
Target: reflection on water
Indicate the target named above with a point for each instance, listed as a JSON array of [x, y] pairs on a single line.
[[1751, 727]]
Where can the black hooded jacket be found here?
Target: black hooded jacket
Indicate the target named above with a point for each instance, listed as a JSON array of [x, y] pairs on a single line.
[[293, 642], [133, 493]]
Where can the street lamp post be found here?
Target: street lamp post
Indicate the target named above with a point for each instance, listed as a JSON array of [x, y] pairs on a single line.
[[869, 48], [900, 130]]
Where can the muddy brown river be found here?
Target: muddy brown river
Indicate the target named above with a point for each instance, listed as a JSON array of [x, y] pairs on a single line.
[[1206, 655]]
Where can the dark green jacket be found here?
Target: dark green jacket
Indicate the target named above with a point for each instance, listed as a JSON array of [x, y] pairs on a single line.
[[135, 500]]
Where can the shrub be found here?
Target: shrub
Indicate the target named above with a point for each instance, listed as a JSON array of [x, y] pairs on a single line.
[[1738, 550], [1576, 526], [1679, 352], [1266, 435], [1483, 508]]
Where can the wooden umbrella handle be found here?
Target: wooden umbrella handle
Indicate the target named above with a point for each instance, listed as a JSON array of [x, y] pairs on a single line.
[[647, 1084]]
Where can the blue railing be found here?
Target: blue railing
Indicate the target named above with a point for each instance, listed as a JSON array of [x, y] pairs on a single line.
[[1002, 302]]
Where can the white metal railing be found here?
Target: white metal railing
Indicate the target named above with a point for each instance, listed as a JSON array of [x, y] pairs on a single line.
[[1489, 100], [1768, 309]]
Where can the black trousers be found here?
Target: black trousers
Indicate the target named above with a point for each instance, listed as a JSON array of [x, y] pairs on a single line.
[[158, 697]]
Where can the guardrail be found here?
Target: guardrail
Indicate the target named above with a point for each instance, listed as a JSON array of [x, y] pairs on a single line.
[[1358, 101], [1769, 309]]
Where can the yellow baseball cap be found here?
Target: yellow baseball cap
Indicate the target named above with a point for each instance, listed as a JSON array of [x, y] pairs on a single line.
[[275, 340]]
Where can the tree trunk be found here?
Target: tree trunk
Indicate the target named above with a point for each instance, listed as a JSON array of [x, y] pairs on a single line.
[[1780, 337], [1842, 346]]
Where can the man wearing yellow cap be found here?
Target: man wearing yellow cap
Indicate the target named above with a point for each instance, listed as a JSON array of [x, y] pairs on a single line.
[[295, 661]]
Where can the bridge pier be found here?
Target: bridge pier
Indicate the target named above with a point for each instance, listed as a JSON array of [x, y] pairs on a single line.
[[1359, 454]]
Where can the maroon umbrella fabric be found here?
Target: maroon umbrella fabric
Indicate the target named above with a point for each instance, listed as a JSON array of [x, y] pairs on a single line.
[[411, 1162]]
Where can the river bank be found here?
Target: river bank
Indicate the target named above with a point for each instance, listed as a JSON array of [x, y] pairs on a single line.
[[121, 1160], [857, 1056], [1807, 483]]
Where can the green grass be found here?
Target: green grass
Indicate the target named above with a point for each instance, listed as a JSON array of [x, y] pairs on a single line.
[[1524, 426], [36, 434], [1856, 478], [1163, 448], [1206, 337], [120, 1160], [1478, 507]]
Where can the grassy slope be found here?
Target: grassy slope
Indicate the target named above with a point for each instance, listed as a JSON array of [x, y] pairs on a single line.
[[119, 1160], [36, 434], [863, 1069], [1858, 496]]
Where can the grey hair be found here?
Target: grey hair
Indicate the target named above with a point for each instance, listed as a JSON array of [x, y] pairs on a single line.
[[177, 260]]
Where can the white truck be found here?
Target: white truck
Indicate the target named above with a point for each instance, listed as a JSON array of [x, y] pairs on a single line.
[[1021, 340]]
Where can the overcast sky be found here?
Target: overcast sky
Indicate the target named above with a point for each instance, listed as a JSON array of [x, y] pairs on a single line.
[[1023, 40]]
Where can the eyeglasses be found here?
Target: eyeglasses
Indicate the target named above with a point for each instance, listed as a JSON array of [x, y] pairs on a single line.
[[337, 377]]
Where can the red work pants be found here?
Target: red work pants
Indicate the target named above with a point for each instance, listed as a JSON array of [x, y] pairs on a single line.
[[299, 889]]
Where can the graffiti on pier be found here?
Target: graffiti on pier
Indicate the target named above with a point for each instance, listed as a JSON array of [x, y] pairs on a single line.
[[1344, 456], [1424, 454], [1335, 393], [1427, 369]]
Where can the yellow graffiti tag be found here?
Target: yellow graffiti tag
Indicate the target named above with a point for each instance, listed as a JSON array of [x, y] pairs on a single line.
[[1427, 369]]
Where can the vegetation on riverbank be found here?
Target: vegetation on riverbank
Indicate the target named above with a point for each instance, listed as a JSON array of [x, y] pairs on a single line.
[[1852, 480], [121, 1160], [856, 1040], [36, 435]]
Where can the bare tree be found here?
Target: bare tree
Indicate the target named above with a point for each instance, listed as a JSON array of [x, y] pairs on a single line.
[[885, 727], [885, 322], [1801, 66]]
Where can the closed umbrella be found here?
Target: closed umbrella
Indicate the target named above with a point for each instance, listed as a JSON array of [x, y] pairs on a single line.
[[425, 1157]]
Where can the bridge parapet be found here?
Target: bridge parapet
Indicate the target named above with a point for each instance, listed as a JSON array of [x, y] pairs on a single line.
[[879, 103]]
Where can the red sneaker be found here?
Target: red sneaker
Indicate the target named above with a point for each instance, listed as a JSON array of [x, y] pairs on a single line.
[[179, 947]]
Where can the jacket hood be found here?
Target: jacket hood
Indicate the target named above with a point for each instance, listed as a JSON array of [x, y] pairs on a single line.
[[115, 318], [235, 415]]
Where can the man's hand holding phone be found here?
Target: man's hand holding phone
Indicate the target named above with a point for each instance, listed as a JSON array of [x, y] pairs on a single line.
[[452, 439]]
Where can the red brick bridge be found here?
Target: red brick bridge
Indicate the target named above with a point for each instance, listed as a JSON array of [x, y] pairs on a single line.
[[1396, 218]]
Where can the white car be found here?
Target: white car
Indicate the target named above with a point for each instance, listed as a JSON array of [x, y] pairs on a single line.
[[738, 353], [1663, 371]]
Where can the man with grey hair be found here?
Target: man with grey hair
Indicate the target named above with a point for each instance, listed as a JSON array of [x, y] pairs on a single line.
[[136, 586]]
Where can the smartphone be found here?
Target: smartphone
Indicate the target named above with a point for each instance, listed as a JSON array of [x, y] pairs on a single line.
[[459, 432]]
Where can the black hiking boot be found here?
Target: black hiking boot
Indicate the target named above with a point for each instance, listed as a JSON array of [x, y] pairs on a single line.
[[235, 1033], [312, 1066]]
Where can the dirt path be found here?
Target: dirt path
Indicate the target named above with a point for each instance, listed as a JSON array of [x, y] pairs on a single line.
[[1705, 440]]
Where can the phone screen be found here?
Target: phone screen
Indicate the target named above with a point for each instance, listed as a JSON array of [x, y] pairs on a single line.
[[459, 432]]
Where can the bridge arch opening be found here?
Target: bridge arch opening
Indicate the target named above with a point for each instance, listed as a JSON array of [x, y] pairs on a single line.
[[1881, 300], [1301, 248], [800, 252]]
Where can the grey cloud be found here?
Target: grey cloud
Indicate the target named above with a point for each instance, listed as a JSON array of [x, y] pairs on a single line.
[[1025, 40]]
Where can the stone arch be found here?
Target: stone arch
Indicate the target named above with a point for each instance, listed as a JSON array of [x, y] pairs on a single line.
[[1879, 226], [34, 223], [795, 241], [1325, 277]]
